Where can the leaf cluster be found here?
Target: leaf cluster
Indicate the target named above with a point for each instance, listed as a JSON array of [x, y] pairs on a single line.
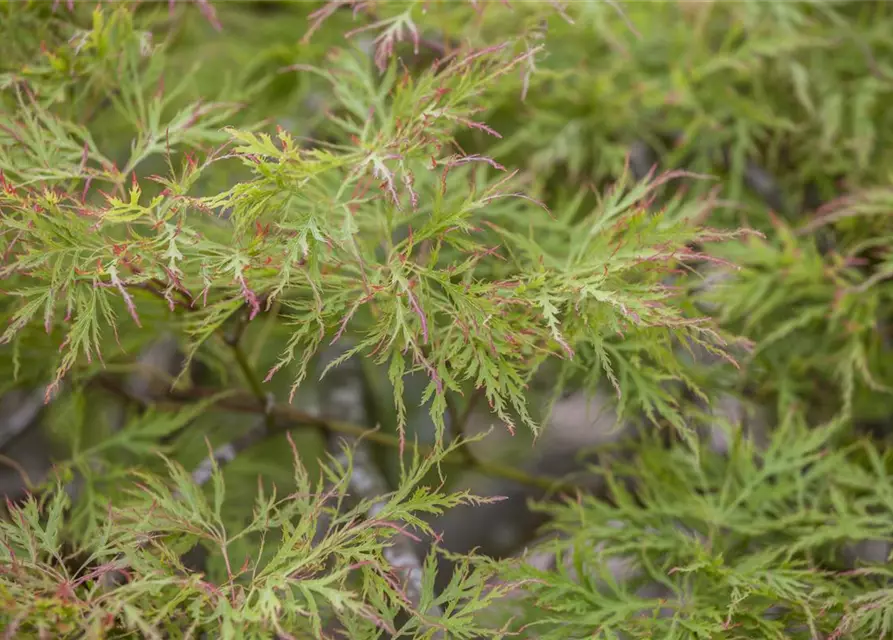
[[502, 202]]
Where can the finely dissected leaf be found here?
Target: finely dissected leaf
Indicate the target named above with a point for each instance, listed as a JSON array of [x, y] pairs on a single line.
[[313, 574], [684, 204], [747, 541]]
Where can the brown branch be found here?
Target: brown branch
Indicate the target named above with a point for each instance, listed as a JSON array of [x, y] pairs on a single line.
[[286, 417]]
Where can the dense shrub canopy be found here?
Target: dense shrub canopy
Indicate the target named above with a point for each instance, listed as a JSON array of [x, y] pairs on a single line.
[[681, 209]]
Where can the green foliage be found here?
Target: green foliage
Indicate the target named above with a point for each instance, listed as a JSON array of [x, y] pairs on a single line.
[[739, 546], [306, 231], [454, 191], [294, 580]]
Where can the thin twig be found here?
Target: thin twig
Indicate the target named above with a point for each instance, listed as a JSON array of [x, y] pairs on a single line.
[[234, 341], [287, 417], [295, 417], [18, 468]]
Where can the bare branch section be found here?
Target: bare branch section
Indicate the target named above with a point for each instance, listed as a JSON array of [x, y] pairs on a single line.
[[290, 417]]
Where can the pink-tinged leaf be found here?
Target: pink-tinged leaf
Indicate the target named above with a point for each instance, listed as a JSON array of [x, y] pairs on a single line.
[[474, 55], [87, 183], [204, 295], [84, 158], [539, 203], [345, 320], [320, 15], [564, 345], [384, 50], [420, 314], [128, 299], [250, 298], [48, 319], [388, 185], [477, 125], [413, 196], [414, 31], [630, 314], [561, 11], [367, 27], [402, 530], [479, 158], [51, 391], [432, 373], [272, 372], [210, 14], [456, 161]]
